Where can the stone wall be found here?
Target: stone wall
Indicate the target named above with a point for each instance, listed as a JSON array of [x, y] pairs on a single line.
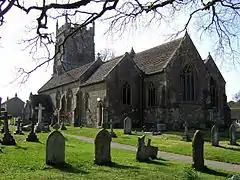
[[92, 92], [125, 71]]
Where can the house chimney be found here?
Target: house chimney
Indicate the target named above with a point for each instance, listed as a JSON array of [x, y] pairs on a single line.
[[7, 98], [15, 94]]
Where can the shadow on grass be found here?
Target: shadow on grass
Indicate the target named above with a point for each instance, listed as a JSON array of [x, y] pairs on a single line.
[[68, 168], [120, 166], [20, 147], [214, 172], [156, 163], [230, 148]]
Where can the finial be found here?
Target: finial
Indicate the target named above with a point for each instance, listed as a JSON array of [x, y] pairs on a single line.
[[57, 25], [132, 53], [66, 17], [98, 56]]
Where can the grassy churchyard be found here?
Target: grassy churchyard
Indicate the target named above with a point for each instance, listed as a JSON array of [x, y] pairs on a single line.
[[171, 142], [26, 160]]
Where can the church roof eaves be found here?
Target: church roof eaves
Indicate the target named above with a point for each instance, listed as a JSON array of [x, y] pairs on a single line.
[[154, 60], [66, 78], [100, 74]]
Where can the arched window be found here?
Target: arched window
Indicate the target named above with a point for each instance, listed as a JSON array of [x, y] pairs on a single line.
[[86, 101], [58, 97], [213, 93], [63, 103], [151, 95], [126, 94], [188, 83], [69, 100]]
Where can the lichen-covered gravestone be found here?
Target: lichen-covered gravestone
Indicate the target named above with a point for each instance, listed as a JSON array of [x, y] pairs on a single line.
[[198, 151], [232, 135], [102, 147], [214, 136], [144, 153], [55, 149], [127, 122]]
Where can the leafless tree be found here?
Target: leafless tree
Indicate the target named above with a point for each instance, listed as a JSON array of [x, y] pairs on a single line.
[[219, 18], [106, 54]]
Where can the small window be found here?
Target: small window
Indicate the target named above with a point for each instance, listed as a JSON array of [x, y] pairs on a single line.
[[126, 94], [151, 95], [69, 100], [86, 101], [58, 97]]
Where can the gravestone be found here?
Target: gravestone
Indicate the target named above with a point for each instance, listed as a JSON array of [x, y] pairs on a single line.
[[198, 151], [127, 123], [7, 137], [145, 153], [112, 133], [232, 135], [185, 136], [55, 149], [214, 136], [32, 137], [39, 126], [19, 127], [102, 147]]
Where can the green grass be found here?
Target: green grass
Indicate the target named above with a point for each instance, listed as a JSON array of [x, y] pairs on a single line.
[[171, 142], [26, 160]]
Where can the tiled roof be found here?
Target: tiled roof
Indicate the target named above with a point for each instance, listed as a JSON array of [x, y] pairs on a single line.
[[150, 61], [68, 77], [153, 60], [103, 70]]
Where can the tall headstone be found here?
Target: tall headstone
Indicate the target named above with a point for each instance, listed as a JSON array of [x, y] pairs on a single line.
[[214, 136], [185, 135], [102, 147], [19, 127], [232, 135], [127, 123], [55, 149], [39, 125], [7, 138], [198, 151], [32, 137], [112, 133]]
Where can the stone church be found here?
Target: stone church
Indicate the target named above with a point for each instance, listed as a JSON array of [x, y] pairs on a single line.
[[162, 87]]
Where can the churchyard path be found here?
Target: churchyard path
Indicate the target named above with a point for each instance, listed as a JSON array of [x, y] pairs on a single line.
[[169, 156]]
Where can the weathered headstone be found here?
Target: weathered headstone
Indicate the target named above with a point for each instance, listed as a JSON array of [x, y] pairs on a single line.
[[55, 149], [19, 127], [62, 126], [144, 153], [185, 136], [232, 135], [102, 147], [198, 151], [32, 137], [112, 133], [214, 136], [127, 123], [7, 138], [39, 126]]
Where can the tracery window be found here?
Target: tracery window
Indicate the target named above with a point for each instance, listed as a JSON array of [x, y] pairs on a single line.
[[151, 95], [69, 100], [126, 93], [188, 83]]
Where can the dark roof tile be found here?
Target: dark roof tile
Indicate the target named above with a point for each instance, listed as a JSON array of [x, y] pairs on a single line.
[[68, 77]]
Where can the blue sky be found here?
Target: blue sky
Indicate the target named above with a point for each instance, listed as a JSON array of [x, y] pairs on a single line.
[[13, 56]]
